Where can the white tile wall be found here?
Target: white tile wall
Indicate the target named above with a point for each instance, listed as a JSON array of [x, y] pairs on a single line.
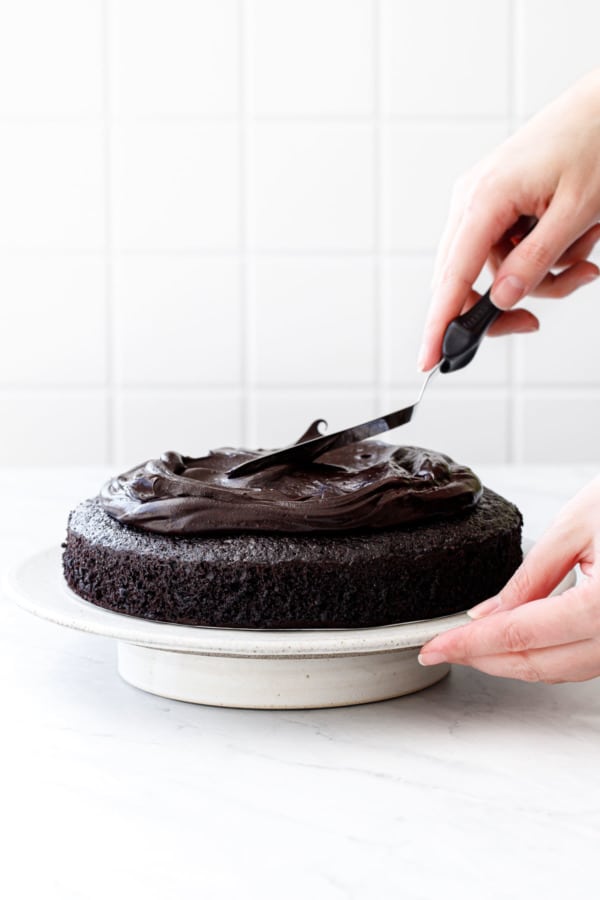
[[470, 425], [555, 43], [175, 58], [53, 427], [218, 221], [148, 422], [421, 162], [311, 186], [279, 417], [565, 350], [558, 421], [51, 57], [464, 45], [53, 320], [313, 322], [177, 321], [311, 57], [52, 183], [175, 185]]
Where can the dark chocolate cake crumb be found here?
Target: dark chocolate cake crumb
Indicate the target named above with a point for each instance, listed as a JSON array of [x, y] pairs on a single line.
[[270, 581]]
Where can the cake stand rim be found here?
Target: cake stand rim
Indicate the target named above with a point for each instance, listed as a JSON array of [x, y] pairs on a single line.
[[36, 584]]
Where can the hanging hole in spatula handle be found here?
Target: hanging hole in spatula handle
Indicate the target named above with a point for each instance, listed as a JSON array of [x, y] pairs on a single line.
[[465, 333]]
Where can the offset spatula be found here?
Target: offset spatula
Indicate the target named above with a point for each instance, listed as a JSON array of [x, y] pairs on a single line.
[[461, 342]]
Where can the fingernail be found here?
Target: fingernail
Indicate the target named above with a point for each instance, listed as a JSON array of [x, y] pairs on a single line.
[[591, 276], [431, 658], [484, 609], [421, 360], [508, 291]]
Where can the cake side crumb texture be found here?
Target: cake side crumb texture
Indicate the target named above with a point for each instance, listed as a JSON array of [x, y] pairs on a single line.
[[295, 581]]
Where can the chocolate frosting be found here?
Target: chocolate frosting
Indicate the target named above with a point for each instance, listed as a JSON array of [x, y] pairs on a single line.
[[369, 484]]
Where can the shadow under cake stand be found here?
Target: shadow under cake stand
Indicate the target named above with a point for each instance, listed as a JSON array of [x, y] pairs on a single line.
[[234, 667]]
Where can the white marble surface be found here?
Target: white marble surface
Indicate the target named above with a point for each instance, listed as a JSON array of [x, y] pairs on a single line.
[[477, 787]]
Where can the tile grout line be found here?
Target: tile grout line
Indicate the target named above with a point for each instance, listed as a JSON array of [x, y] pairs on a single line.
[[215, 253], [245, 349], [232, 388], [512, 423], [274, 118], [378, 314], [109, 298]]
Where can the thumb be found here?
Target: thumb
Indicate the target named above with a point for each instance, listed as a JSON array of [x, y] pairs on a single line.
[[543, 568], [531, 260]]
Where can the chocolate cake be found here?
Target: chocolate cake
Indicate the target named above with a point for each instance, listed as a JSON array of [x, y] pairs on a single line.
[[369, 534]]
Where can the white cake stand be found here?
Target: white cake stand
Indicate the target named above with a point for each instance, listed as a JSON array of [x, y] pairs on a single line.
[[239, 667]]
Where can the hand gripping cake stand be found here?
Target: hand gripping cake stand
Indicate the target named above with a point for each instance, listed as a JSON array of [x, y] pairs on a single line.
[[237, 667]]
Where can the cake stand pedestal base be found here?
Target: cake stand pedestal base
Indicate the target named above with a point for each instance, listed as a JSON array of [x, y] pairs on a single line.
[[285, 683], [261, 669]]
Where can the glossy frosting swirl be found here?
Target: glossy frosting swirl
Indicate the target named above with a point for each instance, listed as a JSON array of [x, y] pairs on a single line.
[[370, 484]]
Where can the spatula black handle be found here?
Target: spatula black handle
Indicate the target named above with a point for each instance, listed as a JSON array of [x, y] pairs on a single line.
[[465, 333]]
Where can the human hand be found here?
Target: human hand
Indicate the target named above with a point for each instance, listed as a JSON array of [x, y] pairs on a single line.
[[523, 632], [548, 169]]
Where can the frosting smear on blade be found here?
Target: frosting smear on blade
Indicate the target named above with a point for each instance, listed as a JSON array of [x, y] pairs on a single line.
[[370, 484]]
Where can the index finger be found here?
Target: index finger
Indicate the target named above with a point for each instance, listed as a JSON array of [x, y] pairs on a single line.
[[548, 622], [485, 218]]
